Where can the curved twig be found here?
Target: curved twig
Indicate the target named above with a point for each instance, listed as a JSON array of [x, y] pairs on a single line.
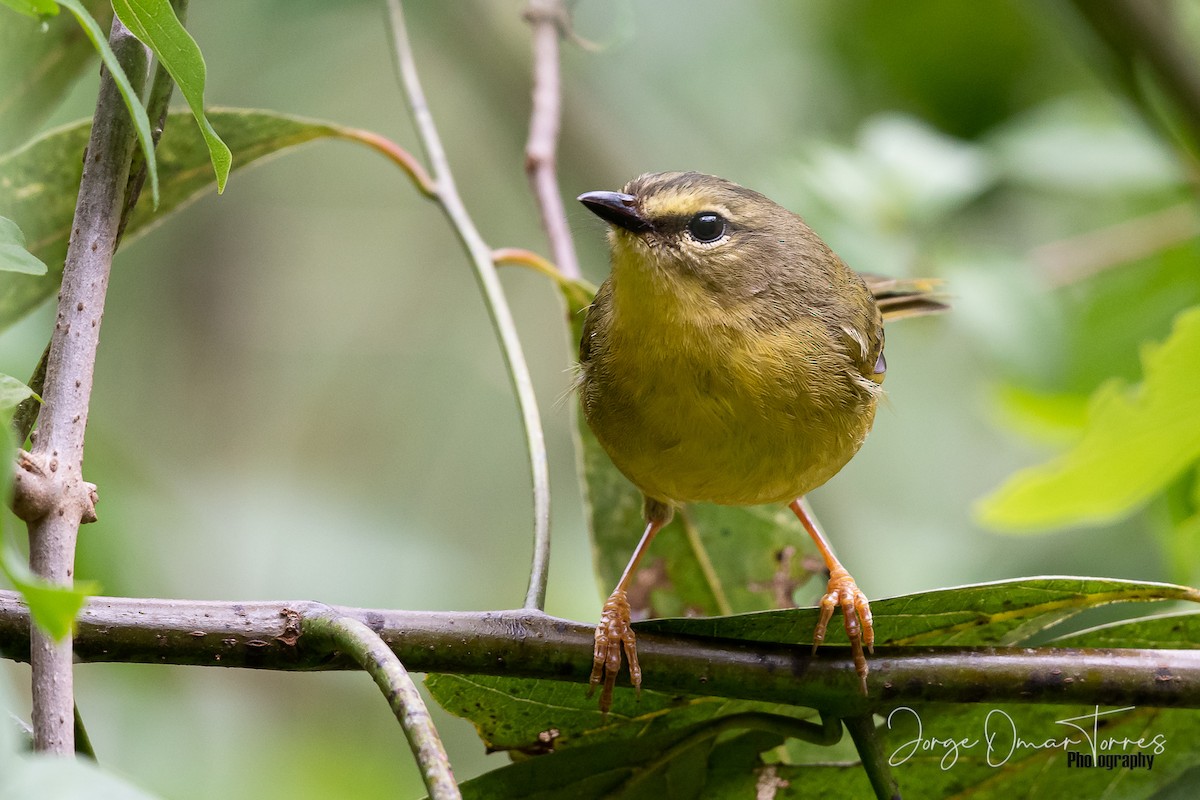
[[350, 636], [493, 292]]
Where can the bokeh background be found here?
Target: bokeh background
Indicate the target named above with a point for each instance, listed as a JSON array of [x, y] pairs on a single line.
[[299, 395]]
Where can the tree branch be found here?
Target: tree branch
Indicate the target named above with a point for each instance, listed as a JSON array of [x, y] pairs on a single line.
[[524, 643], [58, 448], [549, 20], [489, 282], [354, 638]]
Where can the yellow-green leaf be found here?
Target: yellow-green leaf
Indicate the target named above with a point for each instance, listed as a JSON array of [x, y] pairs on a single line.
[[12, 394], [38, 184], [1136, 441], [52, 607], [998, 613], [154, 23]]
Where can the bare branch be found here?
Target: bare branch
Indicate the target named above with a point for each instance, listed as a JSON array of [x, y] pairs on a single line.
[[489, 282], [524, 643], [58, 449], [354, 638], [549, 20]]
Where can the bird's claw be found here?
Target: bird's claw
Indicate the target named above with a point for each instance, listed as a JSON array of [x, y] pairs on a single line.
[[856, 611], [612, 635]]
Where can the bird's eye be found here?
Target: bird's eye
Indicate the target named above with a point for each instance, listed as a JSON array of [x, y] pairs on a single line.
[[706, 227]]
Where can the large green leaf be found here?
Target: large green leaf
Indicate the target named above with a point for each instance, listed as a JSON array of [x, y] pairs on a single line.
[[38, 184], [39, 62], [1000, 613], [1163, 631], [536, 716], [653, 768], [155, 24], [1136, 441]]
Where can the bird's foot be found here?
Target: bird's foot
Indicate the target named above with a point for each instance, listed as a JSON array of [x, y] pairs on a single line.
[[844, 593], [612, 635]]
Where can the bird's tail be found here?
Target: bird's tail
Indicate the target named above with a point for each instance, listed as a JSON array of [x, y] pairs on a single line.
[[906, 297]]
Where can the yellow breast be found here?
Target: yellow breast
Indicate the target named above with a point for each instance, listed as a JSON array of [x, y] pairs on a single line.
[[699, 406]]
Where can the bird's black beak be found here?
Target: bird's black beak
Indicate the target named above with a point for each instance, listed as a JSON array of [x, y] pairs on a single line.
[[616, 209]]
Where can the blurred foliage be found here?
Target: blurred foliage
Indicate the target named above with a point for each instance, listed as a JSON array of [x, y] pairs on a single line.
[[298, 394], [1135, 443]]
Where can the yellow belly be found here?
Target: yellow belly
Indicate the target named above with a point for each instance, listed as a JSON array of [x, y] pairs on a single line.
[[727, 418]]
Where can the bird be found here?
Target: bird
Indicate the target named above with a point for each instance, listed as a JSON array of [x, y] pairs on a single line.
[[730, 357]]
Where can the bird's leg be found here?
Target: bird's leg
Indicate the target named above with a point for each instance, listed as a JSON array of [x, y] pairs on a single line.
[[843, 592], [614, 631]]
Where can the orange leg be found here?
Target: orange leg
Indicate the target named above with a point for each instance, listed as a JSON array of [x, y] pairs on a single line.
[[614, 632], [843, 592]]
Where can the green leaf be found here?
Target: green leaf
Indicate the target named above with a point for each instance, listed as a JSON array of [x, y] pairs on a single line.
[[1164, 631], [133, 103], [1000, 613], [38, 184], [155, 24], [33, 8], [536, 716], [13, 255], [52, 607], [1056, 418], [57, 778], [40, 60], [12, 394], [654, 767], [1136, 441]]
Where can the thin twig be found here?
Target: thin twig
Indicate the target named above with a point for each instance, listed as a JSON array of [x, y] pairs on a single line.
[[58, 449], [549, 19], [396, 154], [266, 635], [352, 637], [526, 258], [493, 292]]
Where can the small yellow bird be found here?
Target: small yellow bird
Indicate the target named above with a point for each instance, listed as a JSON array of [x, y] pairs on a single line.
[[729, 358]]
